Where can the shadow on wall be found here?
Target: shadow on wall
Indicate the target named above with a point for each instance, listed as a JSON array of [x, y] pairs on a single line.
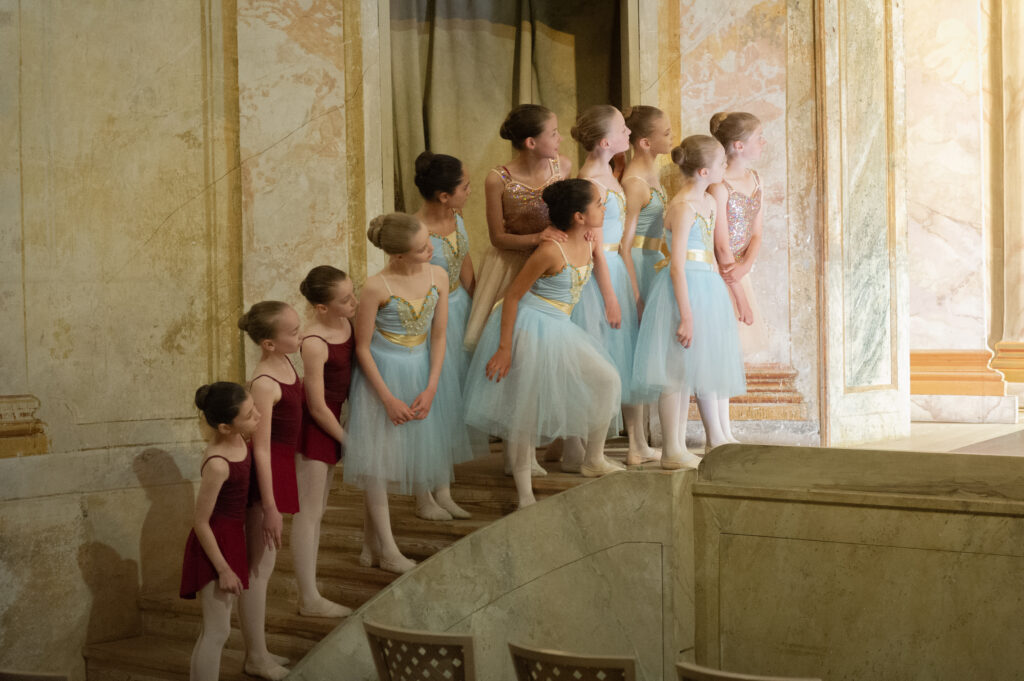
[[114, 583], [168, 520]]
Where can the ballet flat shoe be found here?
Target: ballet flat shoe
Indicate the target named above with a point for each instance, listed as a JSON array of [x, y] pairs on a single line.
[[536, 470], [598, 471], [367, 558], [399, 565], [686, 460], [274, 672], [433, 513], [635, 459], [456, 511], [330, 609]]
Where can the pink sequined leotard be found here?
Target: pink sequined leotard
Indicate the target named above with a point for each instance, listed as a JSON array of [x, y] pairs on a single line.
[[742, 210], [521, 205]]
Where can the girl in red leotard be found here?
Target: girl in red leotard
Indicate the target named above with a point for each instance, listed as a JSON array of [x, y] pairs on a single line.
[[327, 351], [277, 390], [215, 564]]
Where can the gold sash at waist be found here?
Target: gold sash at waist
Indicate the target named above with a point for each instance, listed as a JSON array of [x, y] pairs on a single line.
[[406, 339], [611, 248], [695, 254], [454, 287], [564, 307], [648, 243]]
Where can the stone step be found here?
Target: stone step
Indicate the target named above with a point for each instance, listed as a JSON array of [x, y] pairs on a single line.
[[170, 625], [287, 632], [152, 658]]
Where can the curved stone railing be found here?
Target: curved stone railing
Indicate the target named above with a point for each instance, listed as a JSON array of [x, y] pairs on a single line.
[[606, 567]]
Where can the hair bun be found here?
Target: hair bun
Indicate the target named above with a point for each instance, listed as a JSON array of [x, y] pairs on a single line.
[[202, 392], [373, 232], [243, 323], [678, 155], [423, 161], [716, 120]]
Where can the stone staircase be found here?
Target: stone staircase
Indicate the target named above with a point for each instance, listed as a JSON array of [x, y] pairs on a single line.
[[170, 625]]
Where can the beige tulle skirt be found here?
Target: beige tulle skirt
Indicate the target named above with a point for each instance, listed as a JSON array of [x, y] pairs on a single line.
[[498, 270]]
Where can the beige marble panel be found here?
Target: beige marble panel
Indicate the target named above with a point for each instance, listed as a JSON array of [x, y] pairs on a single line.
[[14, 368], [964, 408], [291, 83], [82, 535], [617, 550], [734, 58], [1013, 170], [946, 198], [852, 565], [127, 182]]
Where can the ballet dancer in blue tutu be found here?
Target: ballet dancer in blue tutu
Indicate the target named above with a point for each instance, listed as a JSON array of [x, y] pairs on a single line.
[[688, 340], [535, 375], [400, 426]]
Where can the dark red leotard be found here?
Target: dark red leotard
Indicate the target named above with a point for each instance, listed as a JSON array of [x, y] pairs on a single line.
[[285, 435], [316, 443], [228, 524]]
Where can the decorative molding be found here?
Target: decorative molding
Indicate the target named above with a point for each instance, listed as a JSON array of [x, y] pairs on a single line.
[[771, 396], [956, 372], [1010, 360], [21, 433]]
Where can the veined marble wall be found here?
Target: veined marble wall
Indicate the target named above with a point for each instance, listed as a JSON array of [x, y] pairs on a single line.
[[947, 201], [293, 143]]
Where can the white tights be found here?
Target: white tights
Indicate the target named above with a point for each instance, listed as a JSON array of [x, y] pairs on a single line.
[[216, 604]]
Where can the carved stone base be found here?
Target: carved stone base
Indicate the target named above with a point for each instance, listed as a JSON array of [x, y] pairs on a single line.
[[956, 372], [771, 396], [1010, 360], [21, 433]]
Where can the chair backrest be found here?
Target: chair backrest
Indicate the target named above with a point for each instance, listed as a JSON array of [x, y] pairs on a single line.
[[694, 672], [411, 655], [534, 664]]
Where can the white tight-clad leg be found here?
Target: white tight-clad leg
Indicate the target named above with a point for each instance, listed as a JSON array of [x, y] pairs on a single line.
[[536, 470], [639, 450], [216, 605], [673, 409], [594, 462], [314, 481], [427, 508], [572, 454], [708, 405], [521, 452], [724, 419], [252, 604], [443, 496], [379, 520]]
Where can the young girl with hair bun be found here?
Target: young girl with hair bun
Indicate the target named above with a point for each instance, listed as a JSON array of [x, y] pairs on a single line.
[[741, 213], [650, 135], [537, 376], [278, 394], [688, 339], [443, 183], [517, 219], [400, 434], [215, 565], [327, 349], [608, 309]]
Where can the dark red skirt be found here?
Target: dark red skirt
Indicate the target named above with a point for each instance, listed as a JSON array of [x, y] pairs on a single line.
[[282, 470], [196, 569], [317, 444]]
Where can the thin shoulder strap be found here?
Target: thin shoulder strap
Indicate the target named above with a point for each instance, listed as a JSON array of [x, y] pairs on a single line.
[[212, 456], [556, 170], [313, 335], [727, 185], [564, 256], [386, 285], [502, 172], [603, 188], [431, 277], [637, 177], [294, 372], [757, 180]]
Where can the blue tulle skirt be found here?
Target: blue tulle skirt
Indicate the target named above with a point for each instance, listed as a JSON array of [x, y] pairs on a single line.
[[416, 454], [713, 364], [561, 382], [456, 357], [456, 364], [621, 342], [644, 260]]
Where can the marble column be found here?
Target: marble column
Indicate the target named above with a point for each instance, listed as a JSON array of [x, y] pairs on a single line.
[[949, 215], [1010, 350], [861, 119]]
